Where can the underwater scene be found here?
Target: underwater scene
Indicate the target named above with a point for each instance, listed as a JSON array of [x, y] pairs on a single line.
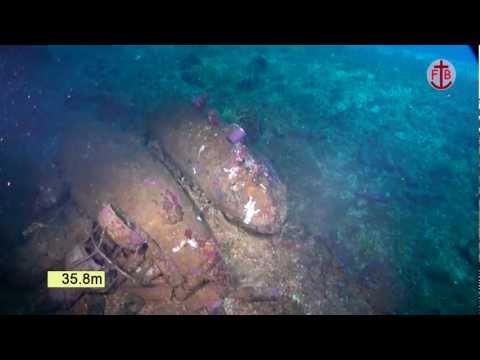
[[215, 179]]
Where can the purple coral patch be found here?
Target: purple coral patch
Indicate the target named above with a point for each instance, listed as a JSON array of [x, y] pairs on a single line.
[[236, 134]]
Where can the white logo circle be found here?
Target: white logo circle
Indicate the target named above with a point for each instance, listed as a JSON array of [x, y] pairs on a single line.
[[441, 74]]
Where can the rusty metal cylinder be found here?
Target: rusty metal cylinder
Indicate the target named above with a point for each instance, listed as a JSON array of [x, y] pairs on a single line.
[[214, 158]]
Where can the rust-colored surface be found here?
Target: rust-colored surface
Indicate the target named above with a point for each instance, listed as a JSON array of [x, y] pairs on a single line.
[[245, 188], [108, 170]]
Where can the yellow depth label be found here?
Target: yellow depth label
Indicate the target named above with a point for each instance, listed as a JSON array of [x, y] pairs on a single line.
[[76, 279]]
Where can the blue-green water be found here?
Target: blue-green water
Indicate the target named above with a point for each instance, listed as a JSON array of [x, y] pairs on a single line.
[[380, 167]]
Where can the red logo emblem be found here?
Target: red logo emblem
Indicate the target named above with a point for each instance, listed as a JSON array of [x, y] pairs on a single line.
[[441, 74]]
